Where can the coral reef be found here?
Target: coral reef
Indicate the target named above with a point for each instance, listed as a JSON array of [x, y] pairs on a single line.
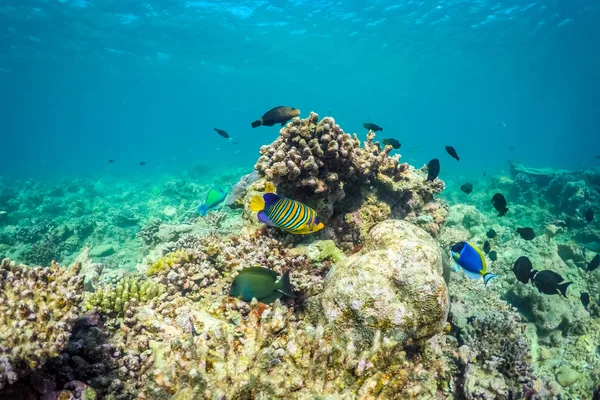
[[38, 307], [393, 287], [352, 187]]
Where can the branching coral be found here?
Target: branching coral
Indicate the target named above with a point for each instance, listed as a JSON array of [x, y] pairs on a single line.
[[127, 292], [38, 307]]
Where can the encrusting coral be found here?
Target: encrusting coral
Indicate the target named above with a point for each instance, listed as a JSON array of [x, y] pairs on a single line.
[[38, 307]]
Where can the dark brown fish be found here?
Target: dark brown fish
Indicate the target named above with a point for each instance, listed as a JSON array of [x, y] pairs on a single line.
[[277, 115], [526, 233], [372, 127], [523, 269], [594, 263], [392, 142], [433, 169], [467, 188], [499, 203], [111, 161], [585, 300], [589, 215], [221, 132], [493, 255], [142, 163], [452, 152], [487, 247], [549, 282]]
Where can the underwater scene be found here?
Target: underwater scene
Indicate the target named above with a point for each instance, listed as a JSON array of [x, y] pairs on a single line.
[[295, 199]]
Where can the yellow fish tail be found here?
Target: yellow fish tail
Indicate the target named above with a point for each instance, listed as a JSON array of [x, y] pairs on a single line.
[[257, 204]]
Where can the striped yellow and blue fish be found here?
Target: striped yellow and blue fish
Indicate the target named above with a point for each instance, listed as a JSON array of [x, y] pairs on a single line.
[[287, 214], [471, 260]]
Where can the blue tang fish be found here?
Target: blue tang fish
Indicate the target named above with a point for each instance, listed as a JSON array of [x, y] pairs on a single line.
[[214, 197], [472, 261], [287, 214]]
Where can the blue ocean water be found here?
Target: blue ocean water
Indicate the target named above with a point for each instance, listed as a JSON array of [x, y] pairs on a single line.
[[85, 81]]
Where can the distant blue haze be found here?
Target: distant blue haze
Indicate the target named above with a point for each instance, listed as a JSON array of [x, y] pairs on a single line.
[[82, 82]]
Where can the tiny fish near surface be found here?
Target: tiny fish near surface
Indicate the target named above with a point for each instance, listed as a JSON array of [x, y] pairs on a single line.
[[499, 203], [452, 152], [526, 233], [372, 127], [223, 133], [433, 169]]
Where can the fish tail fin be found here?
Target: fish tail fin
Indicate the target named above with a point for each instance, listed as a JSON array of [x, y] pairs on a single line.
[[532, 274], [257, 204], [257, 123], [286, 285], [562, 288], [488, 277], [202, 210], [457, 158]]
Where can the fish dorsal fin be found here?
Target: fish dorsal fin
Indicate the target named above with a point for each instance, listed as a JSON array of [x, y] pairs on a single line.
[[270, 199], [260, 270]]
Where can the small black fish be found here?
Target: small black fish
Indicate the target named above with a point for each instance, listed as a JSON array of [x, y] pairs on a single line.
[[493, 255], [433, 169], [111, 161], [523, 269], [467, 188], [487, 247], [452, 152], [585, 300], [589, 215], [372, 127], [491, 234], [594, 263], [549, 282], [499, 203], [526, 233], [391, 142], [485, 173], [277, 115], [142, 163], [511, 148], [597, 157], [221, 132]]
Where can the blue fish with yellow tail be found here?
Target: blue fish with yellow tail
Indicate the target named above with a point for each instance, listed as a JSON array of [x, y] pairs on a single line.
[[287, 214], [472, 261], [214, 197]]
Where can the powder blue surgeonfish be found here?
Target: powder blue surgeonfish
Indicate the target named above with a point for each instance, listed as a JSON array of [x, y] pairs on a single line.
[[471, 260], [214, 197]]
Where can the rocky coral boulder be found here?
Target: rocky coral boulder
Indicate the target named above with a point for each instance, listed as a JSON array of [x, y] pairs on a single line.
[[394, 287], [38, 307]]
